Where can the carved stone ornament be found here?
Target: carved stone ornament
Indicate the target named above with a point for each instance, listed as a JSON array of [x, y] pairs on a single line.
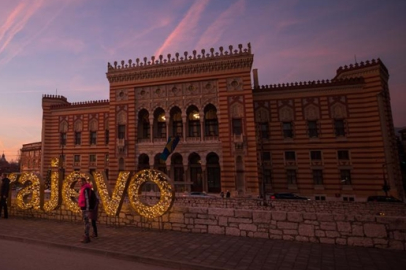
[[234, 84], [122, 95], [262, 115], [236, 110], [122, 118], [63, 127], [143, 93], [311, 112], [286, 114], [78, 126], [338, 111], [209, 87], [93, 125]]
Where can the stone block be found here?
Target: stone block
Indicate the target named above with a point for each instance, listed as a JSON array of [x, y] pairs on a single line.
[[309, 216], [261, 217], [375, 230], [223, 221], [360, 241], [248, 227], [343, 226], [325, 217], [176, 218], [232, 231], [393, 244], [306, 230], [341, 241], [261, 235], [290, 232], [339, 217], [332, 234], [216, 229], [357, 230], [243, 213], [380, 241], [206, 221], [275, 232], [302, 238], [239, 220], [275, 236], [327, 240], [319, 233], [225, 212], [295, 217], [328, 226], [279, 216], [288, 237], [198, 210], [287, 225], [365, 218], [400, 236]]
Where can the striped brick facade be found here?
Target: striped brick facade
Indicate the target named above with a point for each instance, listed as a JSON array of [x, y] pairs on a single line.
[[232, 158]]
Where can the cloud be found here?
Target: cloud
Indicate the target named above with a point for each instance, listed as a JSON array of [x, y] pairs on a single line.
[[184, 30], [215, 31], [16, 22]]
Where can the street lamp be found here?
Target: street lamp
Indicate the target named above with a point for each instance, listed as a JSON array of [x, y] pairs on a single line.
[[386, 186]]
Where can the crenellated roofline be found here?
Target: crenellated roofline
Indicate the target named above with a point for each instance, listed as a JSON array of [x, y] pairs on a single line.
[[310, 84], [178, 65], [361, 65], [56, 97], [81, 104]]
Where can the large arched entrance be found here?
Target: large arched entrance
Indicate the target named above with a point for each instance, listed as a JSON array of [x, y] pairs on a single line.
[[213, 173]]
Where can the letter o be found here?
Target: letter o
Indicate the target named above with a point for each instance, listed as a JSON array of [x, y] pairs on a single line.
[[165, 188]]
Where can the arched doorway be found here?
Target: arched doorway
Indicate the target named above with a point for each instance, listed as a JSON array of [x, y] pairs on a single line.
[[195, 169], [213, 173], [143, 162]]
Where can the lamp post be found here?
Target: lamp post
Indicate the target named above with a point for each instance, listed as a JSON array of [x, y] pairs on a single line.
[[385, 186], [261, 161]]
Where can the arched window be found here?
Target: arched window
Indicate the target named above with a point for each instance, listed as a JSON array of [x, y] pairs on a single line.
[[159, 124], [143, 162], [210, 121], [176, 119], [195, 169], [193, 117], [213, 173]]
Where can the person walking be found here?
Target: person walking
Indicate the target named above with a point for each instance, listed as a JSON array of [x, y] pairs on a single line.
[[4, 191], [85, 203], [94, 213]]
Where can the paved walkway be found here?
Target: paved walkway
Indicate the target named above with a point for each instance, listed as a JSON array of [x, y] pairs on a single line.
[[199, 251]]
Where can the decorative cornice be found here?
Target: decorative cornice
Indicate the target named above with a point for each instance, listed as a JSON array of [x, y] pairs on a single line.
[[58, 97], [361, 65], [180, 66], [309, 84], [81, 104]]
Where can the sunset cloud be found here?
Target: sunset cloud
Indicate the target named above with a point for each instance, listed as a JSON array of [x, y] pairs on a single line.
[[185, 30]]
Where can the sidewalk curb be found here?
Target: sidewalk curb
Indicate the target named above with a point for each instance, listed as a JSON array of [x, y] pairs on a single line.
[[115, 255]]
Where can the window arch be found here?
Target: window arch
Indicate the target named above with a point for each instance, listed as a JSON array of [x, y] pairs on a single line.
[[213, 173], [143, 162], [210, 121], [159, 123], [195, 169], [193, 119], [143, 125], [176, 121]]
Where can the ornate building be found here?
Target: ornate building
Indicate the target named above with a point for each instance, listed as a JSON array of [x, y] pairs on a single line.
[[328, 139], [30, 160]]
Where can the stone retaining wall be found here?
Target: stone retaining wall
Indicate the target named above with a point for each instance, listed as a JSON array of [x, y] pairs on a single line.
[[380, 225]]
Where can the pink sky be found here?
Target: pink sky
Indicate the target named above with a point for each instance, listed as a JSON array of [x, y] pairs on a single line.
[[63, 46]]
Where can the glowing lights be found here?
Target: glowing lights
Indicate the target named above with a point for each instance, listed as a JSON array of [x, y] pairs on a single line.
[[166, 190], [29, 196], [26, 191], [54, 201], [111, 205], [68, 193]]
